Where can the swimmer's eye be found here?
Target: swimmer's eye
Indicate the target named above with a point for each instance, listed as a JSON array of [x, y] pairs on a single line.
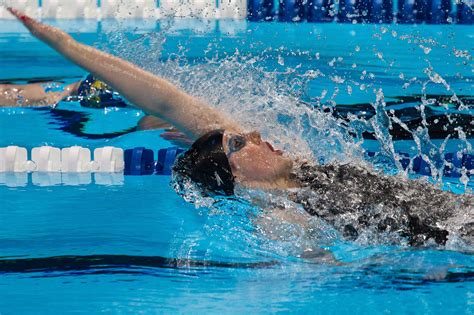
[[236, 143]]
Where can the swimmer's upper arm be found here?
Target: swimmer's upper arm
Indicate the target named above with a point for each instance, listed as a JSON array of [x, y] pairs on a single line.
[[151, 93]]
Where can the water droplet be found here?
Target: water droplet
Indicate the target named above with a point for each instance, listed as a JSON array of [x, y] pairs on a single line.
[[426, 50], [281, 61], [337, 79]]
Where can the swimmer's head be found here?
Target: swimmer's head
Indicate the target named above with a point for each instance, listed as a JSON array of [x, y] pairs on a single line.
[[218, 159], [94, 93], [206, 164], [254, 162]]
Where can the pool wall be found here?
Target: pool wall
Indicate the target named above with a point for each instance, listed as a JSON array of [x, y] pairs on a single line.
[[138, 9], [343, 11]]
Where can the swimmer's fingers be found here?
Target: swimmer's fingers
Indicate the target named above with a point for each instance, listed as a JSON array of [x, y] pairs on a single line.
[[46, 33], [30, 23]]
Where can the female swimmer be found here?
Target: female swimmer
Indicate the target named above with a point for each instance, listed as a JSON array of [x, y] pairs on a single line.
[[89, 92], [224, 156]]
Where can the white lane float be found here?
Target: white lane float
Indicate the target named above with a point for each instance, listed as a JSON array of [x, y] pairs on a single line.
[[15, 159]]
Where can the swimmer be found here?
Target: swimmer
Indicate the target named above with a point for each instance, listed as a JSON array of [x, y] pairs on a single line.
[[89, 92], [224, 157]]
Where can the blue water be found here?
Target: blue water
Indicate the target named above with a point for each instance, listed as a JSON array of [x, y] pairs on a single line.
[[132, 245]]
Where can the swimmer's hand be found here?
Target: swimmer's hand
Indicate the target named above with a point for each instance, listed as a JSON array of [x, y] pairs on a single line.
[[48, 34], [154, 95]]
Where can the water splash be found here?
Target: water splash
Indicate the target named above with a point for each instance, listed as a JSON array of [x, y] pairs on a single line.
[[272, 90]]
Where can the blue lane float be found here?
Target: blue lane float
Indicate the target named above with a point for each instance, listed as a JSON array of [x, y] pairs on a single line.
[[143, 164], [422, 10], [439, 11], [363, 8], [465, 15], [320, 11], [166, 158], [421, 167], [348, 11], [292, 10], [453, 165], [380, 11], [456, 163], [260, 10], [366, 11], [139, 161], [406, 12]]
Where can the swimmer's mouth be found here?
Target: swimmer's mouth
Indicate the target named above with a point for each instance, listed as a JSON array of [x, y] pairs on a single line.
[[279, 152]]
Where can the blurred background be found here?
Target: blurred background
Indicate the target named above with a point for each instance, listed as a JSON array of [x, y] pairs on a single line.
[[346, 11]]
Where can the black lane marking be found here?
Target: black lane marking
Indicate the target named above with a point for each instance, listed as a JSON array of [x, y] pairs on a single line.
[[108, 262]]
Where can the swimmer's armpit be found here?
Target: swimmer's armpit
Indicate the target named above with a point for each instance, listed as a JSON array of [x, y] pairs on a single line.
[[150, 122], [150, 93], [177, 138], [171, 133]]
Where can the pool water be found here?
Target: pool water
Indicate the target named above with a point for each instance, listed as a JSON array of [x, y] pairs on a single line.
[[129, 244]]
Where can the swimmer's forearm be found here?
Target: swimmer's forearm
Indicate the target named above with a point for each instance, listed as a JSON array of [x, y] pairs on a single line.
[[123, 76], [153, 94]]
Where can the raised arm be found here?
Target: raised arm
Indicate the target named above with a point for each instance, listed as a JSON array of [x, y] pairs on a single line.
[[151, 93]]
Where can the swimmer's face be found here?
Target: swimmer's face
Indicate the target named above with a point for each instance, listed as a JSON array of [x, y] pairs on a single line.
[[254, 160]]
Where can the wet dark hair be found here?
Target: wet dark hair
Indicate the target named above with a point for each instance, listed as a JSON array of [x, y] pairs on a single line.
[[206, 164]]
